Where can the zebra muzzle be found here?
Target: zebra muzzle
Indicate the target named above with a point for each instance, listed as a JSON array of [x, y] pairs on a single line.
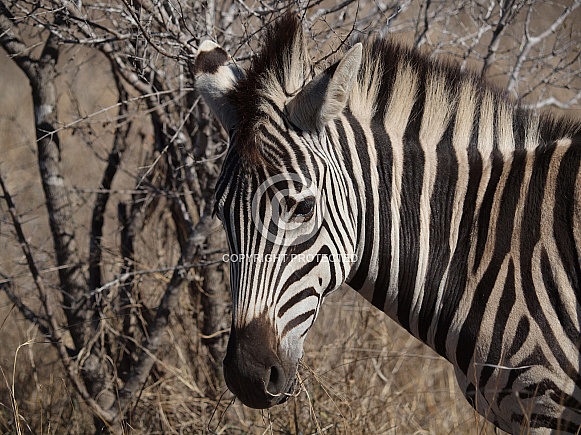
[[255, 371]]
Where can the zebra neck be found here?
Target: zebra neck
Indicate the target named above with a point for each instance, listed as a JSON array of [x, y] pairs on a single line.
[[434, 223], [410, 210]]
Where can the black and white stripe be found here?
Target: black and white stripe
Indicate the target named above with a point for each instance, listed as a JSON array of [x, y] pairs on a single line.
[[461, 207]]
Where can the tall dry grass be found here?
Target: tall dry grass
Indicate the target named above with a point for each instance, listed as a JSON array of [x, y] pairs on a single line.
[[361, 374]]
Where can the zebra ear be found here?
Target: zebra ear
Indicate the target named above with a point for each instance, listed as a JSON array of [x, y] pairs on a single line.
[[325, 97], [216, 75]]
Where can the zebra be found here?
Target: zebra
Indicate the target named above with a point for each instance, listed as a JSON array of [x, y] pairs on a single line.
[[447, 204]]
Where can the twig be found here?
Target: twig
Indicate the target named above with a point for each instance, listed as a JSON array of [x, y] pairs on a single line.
[[98, 219], [13, 45], [55, 332], [142, 368], [507, 13], [530, 41], [24, 309]]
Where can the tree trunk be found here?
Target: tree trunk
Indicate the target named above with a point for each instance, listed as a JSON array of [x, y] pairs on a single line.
[[215, 299]]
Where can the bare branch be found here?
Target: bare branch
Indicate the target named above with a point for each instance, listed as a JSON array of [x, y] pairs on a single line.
[[530, 41], [168, 303], [56, 332], [102, 198], [145, 34], [552, 101], [508, 10], [73, 281], [420, 37], [13, 45], [6, 286]]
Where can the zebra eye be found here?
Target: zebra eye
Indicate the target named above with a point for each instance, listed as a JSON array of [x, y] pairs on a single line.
[[305, 208]]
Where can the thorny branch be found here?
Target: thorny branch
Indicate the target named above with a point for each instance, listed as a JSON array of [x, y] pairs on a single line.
[[509, 9], [529, 41]]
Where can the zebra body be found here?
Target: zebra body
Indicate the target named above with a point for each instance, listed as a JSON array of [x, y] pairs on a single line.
[[445, 204]]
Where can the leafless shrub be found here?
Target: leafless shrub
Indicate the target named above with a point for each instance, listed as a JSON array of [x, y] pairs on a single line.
[[101, 238]]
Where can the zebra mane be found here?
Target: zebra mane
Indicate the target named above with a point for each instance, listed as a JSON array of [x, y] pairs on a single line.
[[283, 67], [279, 71]]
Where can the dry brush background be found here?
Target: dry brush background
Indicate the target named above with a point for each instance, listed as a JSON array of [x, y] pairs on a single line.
[[114, 307]]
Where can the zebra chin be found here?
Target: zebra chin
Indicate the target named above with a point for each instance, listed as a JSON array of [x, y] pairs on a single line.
[[256, 369]]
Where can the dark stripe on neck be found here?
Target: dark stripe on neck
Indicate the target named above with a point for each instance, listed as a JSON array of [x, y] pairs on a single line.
[[485, 212], [409, 231], [441, 208], [564, 216], [458, 276], [361, 144], [384, 151], [507, 300], [502, 243]]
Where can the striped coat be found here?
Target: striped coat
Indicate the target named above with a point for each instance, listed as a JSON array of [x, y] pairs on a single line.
[[443, 202]]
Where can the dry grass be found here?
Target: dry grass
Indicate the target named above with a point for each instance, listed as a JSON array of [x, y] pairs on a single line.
[[361, 374]]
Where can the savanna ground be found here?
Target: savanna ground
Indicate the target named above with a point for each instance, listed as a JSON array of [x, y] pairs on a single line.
[[361, 373]]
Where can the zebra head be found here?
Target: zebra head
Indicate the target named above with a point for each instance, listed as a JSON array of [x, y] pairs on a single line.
[[290, 242]]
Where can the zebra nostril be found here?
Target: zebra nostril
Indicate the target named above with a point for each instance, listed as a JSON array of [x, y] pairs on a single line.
[[276, 380]]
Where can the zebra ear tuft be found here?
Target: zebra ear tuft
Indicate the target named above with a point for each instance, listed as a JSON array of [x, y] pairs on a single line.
[[216, 75], [325, 97]]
